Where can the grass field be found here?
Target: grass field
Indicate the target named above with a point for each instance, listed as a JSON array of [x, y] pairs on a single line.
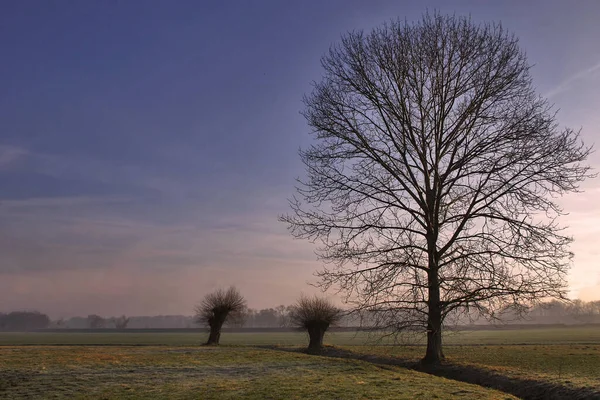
[[123, 372], [572, 365], [173, 365], [569, 335]]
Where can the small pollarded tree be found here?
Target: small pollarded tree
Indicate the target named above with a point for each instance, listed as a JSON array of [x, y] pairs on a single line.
[[433, 176], [315, 315], [216, 308]]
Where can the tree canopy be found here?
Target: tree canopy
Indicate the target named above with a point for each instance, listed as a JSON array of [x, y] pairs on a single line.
[[433, 177], [217, 307]]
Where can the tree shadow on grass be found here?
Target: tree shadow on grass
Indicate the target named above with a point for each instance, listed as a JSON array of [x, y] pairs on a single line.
[[524, 388]]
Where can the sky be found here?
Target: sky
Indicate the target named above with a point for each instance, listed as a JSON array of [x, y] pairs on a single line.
[[147, 148]]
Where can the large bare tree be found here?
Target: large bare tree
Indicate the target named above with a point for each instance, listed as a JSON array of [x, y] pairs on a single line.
[[433, 175]]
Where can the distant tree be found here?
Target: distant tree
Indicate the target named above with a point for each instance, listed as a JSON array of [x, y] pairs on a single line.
[[121, 322], [216, 307], [24, 321], [95, 321], [77, 323], [555, 308], [315, 315], [283, 315], [568, 311], [59, 323], [266, 318], [433, 176], [581, 311], [238, 319], [249, 317]]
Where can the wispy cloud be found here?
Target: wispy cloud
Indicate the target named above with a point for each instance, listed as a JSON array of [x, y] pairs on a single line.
[[108, 263], [53, 202], [568, 83], [10, 154], [91, 233]]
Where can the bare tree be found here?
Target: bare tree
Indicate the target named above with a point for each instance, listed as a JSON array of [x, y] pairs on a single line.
[[95, 321], [60, 323], [238, 319], [216, 307], [283, 315], [433, 175], [315, 315], [121, 322]]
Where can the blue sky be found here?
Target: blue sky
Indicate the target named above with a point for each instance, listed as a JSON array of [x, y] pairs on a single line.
[[146, 148]]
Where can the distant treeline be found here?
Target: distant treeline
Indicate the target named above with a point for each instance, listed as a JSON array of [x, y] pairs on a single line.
[[568, 313], [556, 312], [23, 321], [266, 318]]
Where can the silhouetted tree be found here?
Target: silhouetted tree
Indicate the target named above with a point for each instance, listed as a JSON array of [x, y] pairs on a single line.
[[238, 319], [315, 315], [266, 317], [249, 314], [433, 175], [121, 322], [23, 321], [283, 315], [216, 307], [95, 321], [59, 323]]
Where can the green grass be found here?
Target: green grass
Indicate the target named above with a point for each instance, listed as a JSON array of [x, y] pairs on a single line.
[[171, 365], [157, 338], [209, 373], [572, 335], [573, 365]]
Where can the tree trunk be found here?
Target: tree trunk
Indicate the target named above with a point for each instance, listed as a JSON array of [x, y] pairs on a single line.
[[316, 335], [214, 335], [433, 354]]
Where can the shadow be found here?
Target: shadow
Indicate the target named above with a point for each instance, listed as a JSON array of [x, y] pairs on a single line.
[[528, 389]]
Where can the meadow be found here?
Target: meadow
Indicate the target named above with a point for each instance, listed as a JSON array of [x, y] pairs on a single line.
[[271, 365], [565, 335], [212, 373]]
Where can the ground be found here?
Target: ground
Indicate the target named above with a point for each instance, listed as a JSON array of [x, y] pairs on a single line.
[[555, 363], [227, 372]]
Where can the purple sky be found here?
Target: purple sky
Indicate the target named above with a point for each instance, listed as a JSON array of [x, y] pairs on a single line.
[[146, 148]]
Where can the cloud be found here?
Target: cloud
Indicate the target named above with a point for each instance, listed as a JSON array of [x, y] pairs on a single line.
[[77, 263], [567, 83], [135, 291], [96, 232], [102, 257], [58, 202], [10, 154]]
